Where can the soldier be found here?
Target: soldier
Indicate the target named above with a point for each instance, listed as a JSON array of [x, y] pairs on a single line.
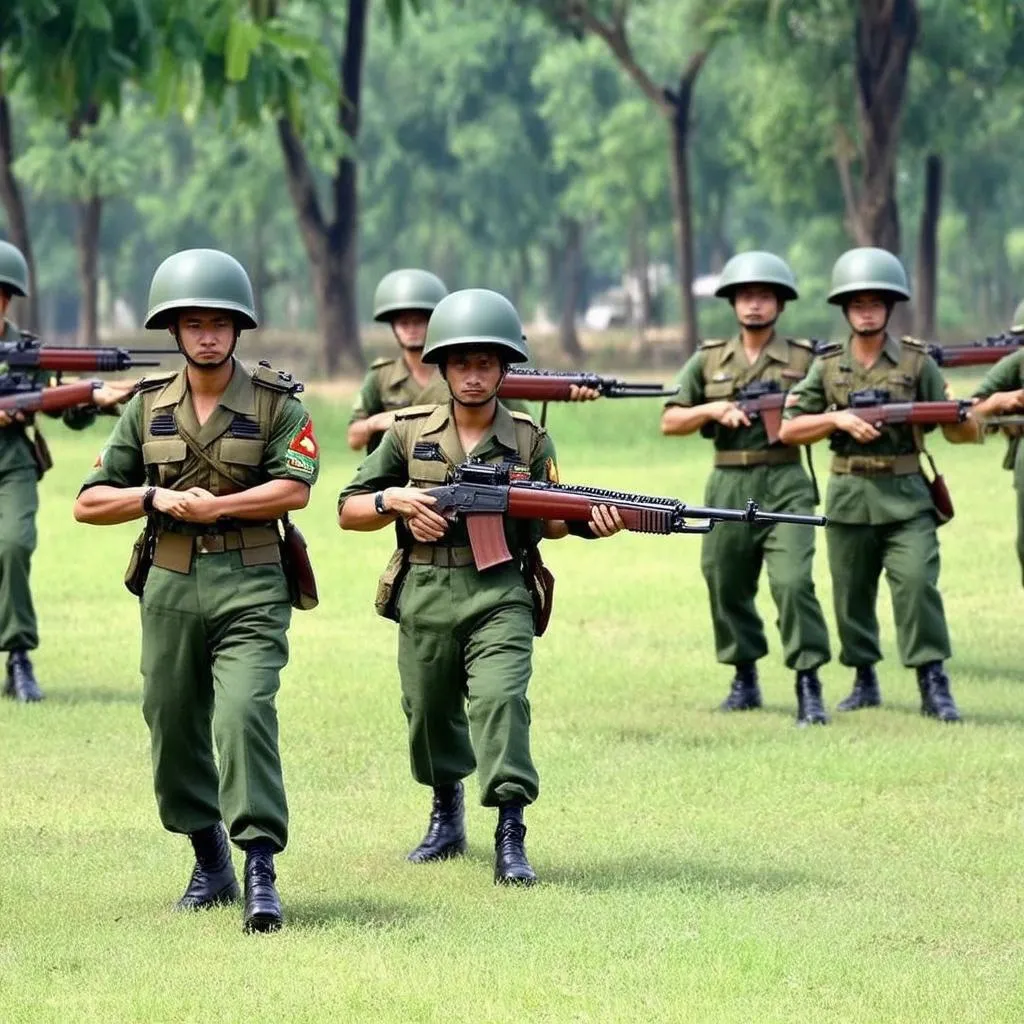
[[23, 460], [465, 636], [214, 456], [881, 514], [405, 299], [758, 285], [1001, 393]]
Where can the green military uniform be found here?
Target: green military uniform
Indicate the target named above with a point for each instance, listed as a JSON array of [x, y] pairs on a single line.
[[748, 466], [880, 511], [215, 609], [463, 634], [1008, 375], [19, 502]]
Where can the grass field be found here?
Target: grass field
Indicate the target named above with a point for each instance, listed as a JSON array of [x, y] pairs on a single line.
[[695, 867]]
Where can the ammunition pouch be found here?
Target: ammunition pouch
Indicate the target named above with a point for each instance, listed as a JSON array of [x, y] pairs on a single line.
[[541, 583], [298, 570], [141, 559], [40, 452], [389, 586]]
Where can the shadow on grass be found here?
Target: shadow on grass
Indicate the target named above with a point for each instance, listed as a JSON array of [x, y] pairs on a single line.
[[656, 872], [371, 914], [970, 716], [93, 695]]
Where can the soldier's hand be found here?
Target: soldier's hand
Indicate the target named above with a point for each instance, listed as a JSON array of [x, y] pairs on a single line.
[[198, 506], [1011, 401], [113, 393], [381, 421], [413, 505], [167, 501], [605, 521], [581, 394], [729, 414], [7, 418], [860, 430]]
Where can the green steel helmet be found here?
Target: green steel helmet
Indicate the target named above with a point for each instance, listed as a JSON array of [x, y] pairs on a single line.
[[204, 279], [13, 269], [868, 270], [475, 316], [757, 268], [1018, 319], [407, 289]]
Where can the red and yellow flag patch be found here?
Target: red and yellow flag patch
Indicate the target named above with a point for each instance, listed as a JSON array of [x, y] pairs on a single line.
[[303, 451]]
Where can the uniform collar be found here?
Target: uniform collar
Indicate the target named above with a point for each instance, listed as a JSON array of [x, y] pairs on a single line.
[[238, 396], [775, 349], [401, 372], [891, 349], [503, 428]]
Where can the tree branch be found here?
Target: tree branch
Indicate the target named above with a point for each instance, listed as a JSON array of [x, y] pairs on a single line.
[[300, 182], [350, 77]]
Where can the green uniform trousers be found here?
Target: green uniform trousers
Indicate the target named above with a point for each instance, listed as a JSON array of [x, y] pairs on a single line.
[[466, 639], [732, 556], [909, 553], [1020, 531], [214, 642], [19, 502]]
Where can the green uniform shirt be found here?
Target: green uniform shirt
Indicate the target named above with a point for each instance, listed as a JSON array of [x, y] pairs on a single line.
[[734, 371], [290, 451], [15, 452], [874, 500], [394, 465], [1007, 375]]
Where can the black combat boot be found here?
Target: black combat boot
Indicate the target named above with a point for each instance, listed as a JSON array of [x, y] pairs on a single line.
[[21, 681], [865, 692], [809, 708], [446, 833], [744, 693], [262, 904], [213, 878], [510, 864], [936, 700]]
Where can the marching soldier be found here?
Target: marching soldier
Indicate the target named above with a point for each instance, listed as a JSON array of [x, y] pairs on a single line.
[[747, 465], [23, 460], [213, 456], [881, 513], [466, 637], [1001, 393]]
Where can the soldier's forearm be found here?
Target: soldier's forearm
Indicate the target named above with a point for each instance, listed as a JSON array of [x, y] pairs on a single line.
[[968, 432], [358, 513], [266, 501], [359, 434], [807, 429], [104, 505], [678, 421]]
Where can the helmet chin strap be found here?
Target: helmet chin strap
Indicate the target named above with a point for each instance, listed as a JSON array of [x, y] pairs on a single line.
[[760, 325]]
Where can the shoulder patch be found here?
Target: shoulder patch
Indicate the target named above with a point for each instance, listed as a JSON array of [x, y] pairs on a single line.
[[914, 343], [413, 411], [523, 417], [712, 343], [827, 349], [157, 381], [378, 364], [276, 380]]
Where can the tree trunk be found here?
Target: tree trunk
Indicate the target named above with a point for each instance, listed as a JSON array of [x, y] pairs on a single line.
[[885, 34], [26, 311], [572, 284], [332, 246], [927, 271], [681, 203], [88, 214]]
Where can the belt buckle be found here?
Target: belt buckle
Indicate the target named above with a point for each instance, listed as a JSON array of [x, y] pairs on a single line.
[[202, 542]]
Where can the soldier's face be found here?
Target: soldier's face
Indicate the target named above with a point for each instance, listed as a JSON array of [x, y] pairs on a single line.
[[756, 305], [867, 313], [207, 336], [473, 376], [410, 327], [5, 301]]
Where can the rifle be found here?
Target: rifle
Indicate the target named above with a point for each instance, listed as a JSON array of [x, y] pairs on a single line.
[[27, 354], [873, 405], [483, 494], [764, 399], [22, 394], [555, 385], [976, 353]]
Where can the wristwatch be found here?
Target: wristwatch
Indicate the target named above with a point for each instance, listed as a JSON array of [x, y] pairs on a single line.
[[147, 499], [378, 504]]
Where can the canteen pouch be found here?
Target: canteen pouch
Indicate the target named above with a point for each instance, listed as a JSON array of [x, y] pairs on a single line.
[[298, 570], [540, 581], [389, 586], [942, 500], [40, 453], [141, 560]]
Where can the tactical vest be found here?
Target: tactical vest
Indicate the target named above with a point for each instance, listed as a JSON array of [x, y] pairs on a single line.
[[168, 458], [900, 381], [719, 385]]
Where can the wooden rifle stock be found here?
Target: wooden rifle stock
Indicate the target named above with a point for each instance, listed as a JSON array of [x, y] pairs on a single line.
[[916, 413], [55, 399]]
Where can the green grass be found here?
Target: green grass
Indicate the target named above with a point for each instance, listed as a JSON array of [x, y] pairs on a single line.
[[695, 866]]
